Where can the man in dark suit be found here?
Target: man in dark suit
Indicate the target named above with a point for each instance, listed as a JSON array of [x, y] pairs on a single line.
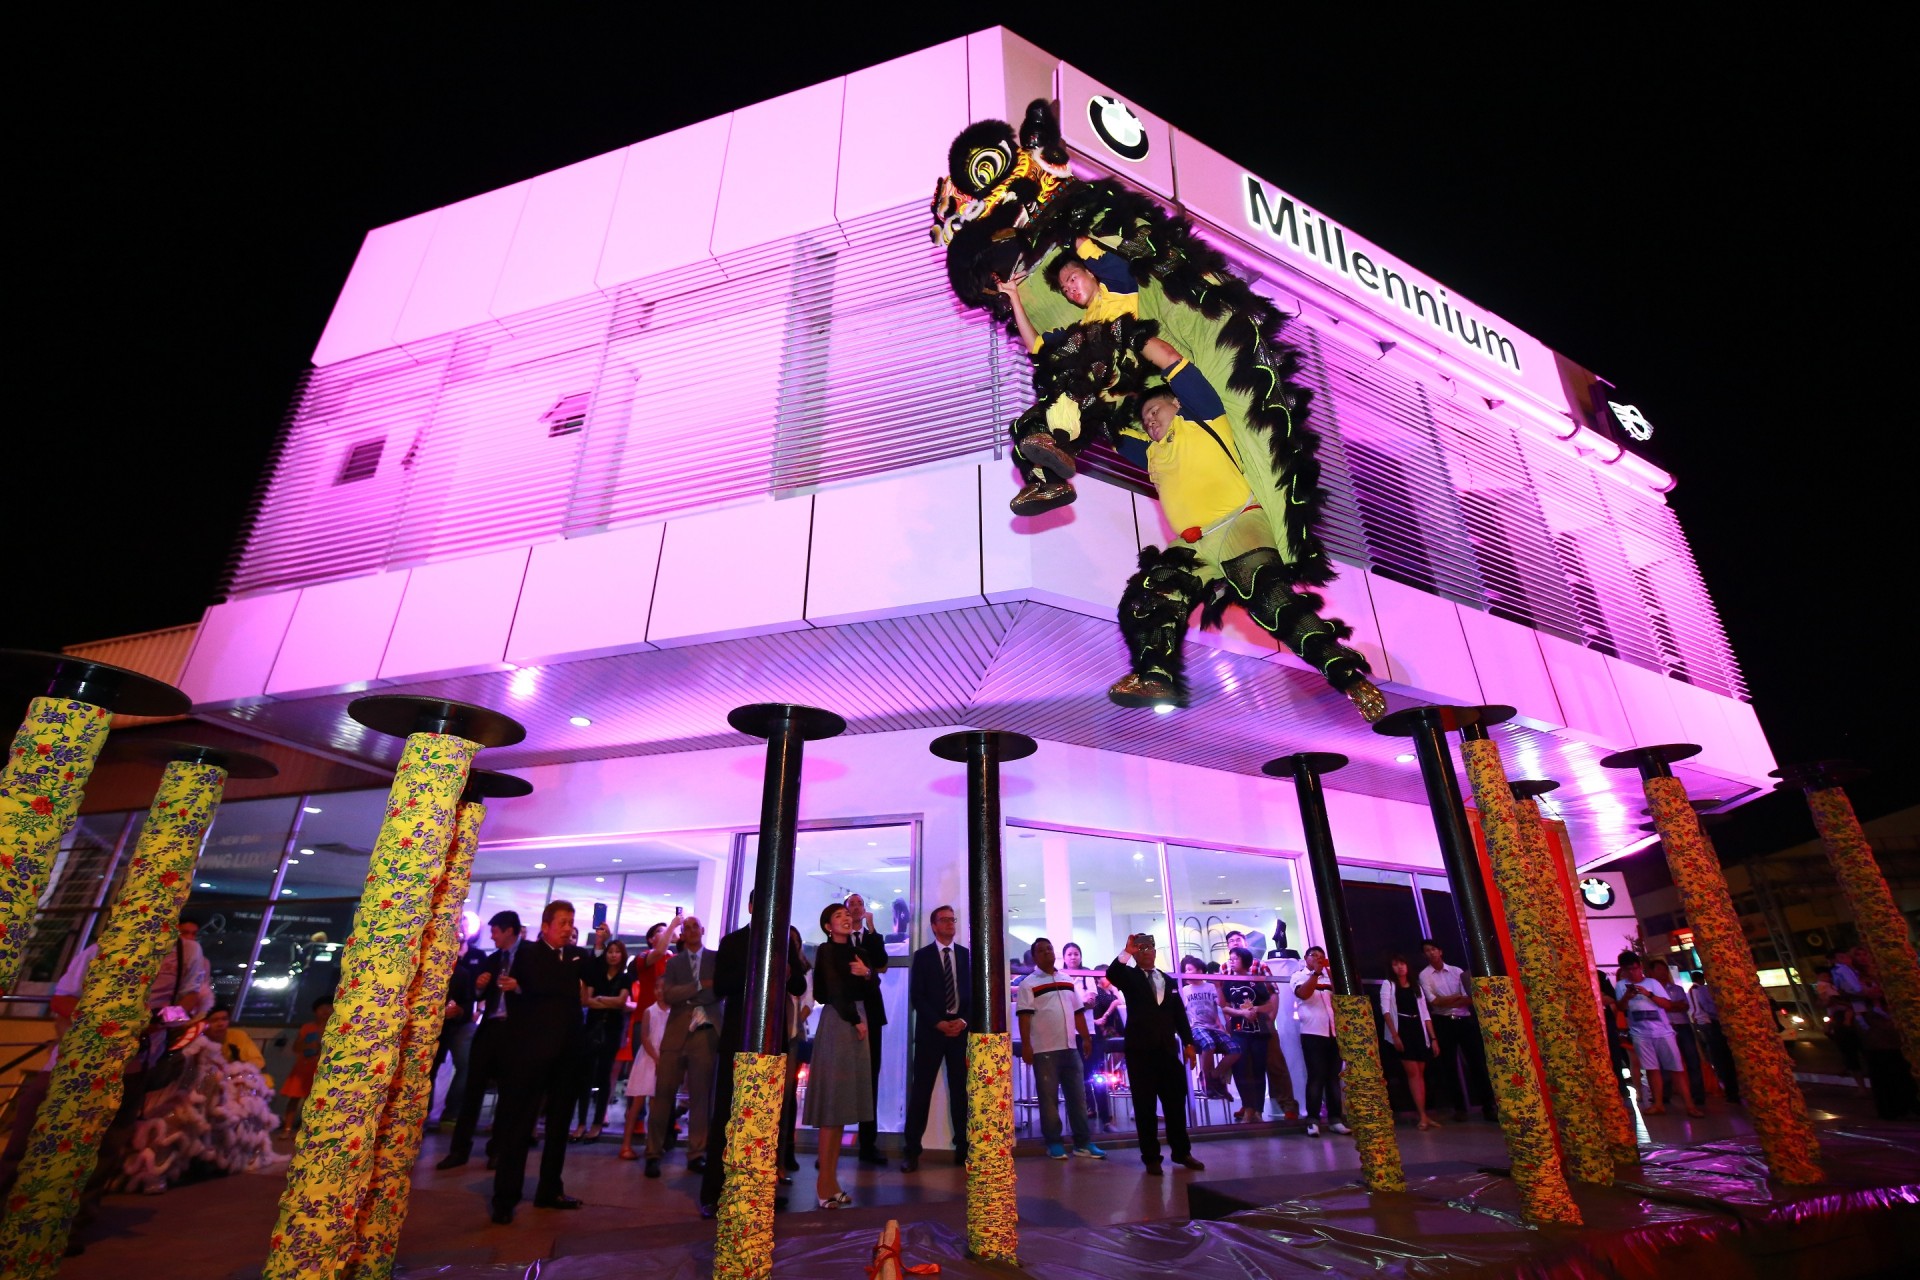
[[730, 964], [486, 1055], [689, 1048], [544, 993], [871, 944], [939, 993], [1159, 1048]]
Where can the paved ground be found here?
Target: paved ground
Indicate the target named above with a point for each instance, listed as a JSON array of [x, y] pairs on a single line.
[[219, 1229]]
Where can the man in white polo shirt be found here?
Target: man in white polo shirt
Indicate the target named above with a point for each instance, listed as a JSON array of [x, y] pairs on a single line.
[[1051, 1024], [1458, 1031], [1313, 1008]]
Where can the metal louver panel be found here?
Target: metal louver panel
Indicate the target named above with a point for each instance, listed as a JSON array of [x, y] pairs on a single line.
[[1401, 487], [1691, 642], [830, 355]]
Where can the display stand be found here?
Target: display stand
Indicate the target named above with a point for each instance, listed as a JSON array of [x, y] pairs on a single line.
[[1369, 1113], [361, 1050], [86, 1086], [743, 1244], [1518, 1088], [47, 768], [993, 1226], [1772, 1097], [383, 1204]]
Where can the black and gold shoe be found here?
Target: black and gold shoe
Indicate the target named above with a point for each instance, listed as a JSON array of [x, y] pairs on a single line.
[[1042, 450], [1038, 498], [1144, 691], [1372, 704]]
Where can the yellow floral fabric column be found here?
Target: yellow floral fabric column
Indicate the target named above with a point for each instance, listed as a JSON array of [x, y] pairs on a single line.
[[332, 1158], [1542, 940], [85, 1090], [743, 1246], [383, 1204], [993, 1219], [1875, 913], [1773, 1099], [1369, 1113], [1537, 1174], [46, 773], [1592, 1055]]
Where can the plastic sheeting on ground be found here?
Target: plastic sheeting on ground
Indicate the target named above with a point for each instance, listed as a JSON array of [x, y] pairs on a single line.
[[1702, 1212]]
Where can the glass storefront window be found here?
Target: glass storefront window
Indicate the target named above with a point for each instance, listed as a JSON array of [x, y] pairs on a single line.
[[650, 898], [1088, 890], [525, 898], [232, 882], [1224, 898]]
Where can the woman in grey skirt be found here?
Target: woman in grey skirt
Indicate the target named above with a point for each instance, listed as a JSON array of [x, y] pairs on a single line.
[[840, 1077]]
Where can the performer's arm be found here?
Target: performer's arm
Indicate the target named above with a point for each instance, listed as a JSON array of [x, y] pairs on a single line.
[[1110, 269], [1011, 289], [1131, 447]]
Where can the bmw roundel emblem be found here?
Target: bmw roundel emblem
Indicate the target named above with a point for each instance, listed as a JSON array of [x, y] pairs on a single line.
[[1597, 892], [1117, 127]]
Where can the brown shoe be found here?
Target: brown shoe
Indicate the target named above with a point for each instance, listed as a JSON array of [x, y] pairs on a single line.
[[1037, 499], [1042, 450], [1370, 701], [1144, 691]]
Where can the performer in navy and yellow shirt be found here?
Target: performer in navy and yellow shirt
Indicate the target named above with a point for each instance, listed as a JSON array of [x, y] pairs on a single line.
[[1188, 449], [1102, 286]]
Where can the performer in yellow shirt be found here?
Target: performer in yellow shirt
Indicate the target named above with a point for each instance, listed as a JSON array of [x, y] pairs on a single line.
[[1189, 450]]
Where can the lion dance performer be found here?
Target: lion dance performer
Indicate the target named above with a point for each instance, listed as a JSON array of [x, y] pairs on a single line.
[[1113, 297]]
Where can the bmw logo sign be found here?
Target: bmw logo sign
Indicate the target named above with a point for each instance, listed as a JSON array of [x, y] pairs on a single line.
[[1117, 127], [1597, 892]]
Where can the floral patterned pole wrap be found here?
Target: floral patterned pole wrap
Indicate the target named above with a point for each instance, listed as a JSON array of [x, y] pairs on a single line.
[[340, 1124], [85, 1090], [47, 770], [1774, 1101], [743, 1248], [993, 1218], [1542, 941], [1592, 1057], [1369, 1113], [383, 1204], [1523, 1110], [1875, 915]]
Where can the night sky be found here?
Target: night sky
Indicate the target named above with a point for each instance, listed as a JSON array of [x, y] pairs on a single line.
[[1700, 215]]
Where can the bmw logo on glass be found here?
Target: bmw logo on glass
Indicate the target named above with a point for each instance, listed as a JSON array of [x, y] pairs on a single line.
[[1597, 892], [1117, 127]]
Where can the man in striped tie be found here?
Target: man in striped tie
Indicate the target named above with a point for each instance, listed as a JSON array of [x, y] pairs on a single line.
[[940, 995]]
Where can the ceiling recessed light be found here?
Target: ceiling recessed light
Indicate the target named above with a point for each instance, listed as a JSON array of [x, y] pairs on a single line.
[[309, 809], [1405, 757], [293, 862], [619, 859], [1079, 881], [288, 892], [1023, 886], [206, 884], [1223, 877], [1286, 891], [578, 722], [305, 852], [1149, 879], [899, 890], [872, 843], [539, 866], [599, 879]]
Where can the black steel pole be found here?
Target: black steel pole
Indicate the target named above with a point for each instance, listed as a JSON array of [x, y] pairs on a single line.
[[1305, 769], [786, 728], [1428, 727], [983, 751]]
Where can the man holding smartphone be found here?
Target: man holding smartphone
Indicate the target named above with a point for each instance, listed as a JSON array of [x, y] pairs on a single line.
[[1159, 1049]]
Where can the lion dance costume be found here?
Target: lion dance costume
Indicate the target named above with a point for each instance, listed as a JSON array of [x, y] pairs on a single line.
[[1008, 209]]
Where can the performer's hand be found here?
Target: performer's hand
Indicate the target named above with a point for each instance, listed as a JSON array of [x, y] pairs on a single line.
[[1009, 287]]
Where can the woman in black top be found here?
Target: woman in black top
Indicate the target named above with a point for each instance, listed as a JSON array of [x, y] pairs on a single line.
[[840, 1073], [606, 984], [1244, 1001], [1409, 1031]]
